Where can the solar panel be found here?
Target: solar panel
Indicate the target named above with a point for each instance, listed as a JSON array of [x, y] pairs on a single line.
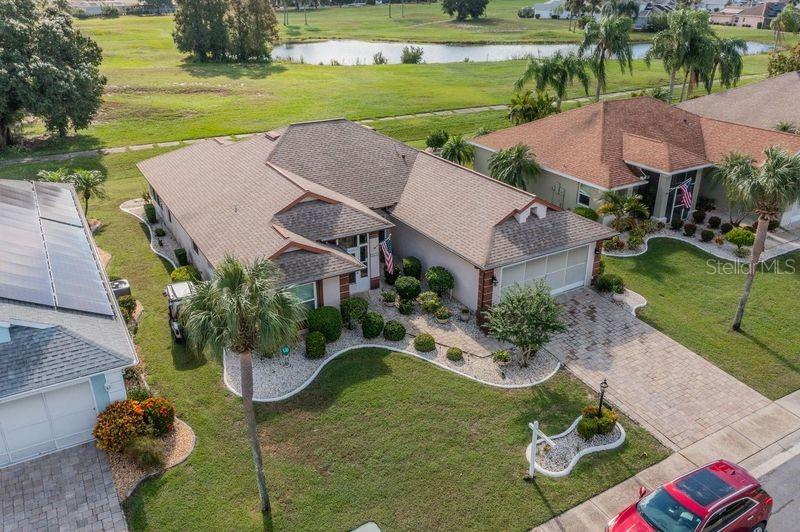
[[76, 277], [56, 202], [24, 273]]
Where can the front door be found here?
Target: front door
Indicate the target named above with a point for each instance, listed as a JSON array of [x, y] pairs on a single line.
[[358, 247]]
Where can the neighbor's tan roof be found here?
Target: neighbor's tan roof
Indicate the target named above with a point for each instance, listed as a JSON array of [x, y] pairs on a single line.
[[592, 143]]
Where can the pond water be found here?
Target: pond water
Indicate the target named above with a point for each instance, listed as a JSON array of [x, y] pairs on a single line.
[[361, 52]]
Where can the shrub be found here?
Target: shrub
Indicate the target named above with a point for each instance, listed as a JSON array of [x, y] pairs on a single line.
[[390, 278], [742, 252], [586, 212], [591, 424], [379, 58], [150, 213], [159, 414], [501, 356], [412, 267], [353, 310], [635, 242], [326, 320], [429, 302], [184, 273], [159, 232], [437, 139], [689, 229], [405, 307], [719, 240], [443, 313], [649, 226], [118, 424], [181, 257], [394, 331], [411, 55], [587, 427], [138, 393], [455, 354], [676, 224], [424, 343], [661, 225], [407, 287], [389, 296], [773, 224], [706, 235], [127, 306], [146, 451], [699, 216], [750, 228], [740, 237], [609, 282], [372, 325], [315, 345], [725, 228], [714, 222], [439, 279]]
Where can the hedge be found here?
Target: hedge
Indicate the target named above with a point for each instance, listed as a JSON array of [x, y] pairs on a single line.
[[315, 345], [150, 213], [180, 256], [439, 279], [326, 320], [394, 331], [372, 325], [586, 212], [407, 287], [353, 310]]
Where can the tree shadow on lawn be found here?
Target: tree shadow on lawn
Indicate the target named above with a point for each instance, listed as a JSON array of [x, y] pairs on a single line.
[[794, 366], [231, 70]]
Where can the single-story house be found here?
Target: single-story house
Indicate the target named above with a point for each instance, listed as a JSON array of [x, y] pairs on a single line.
[[63, 341], [318, 198], [652, 9], [759, 16], [635, 146], [727, 16]]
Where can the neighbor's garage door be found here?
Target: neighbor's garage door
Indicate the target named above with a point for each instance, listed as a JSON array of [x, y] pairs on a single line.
[[47, 421], [561, 271]]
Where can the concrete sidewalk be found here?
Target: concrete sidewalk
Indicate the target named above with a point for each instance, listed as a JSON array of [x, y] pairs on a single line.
[[760, 442]]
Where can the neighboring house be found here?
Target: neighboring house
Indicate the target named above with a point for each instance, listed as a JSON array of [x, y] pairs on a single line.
[[652, 9], [63, 342], [318, 197], [551, 9], [639, 145], [94, 8], [757, 16], [763, 104], [727, 16]]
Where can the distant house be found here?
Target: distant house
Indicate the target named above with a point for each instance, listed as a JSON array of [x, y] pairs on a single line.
[[652, 9], [758, 16], [63, 341], [551, 9], [318, 199], [728, 16], [635, 146], [94, 8]]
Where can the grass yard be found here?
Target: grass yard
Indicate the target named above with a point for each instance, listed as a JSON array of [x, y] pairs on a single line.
[[155, 95], [378, 436], [695, 306]]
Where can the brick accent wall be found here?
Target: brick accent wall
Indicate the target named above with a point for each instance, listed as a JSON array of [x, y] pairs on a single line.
[[320, 295], [598, 254], [485, 293], [344, 287]]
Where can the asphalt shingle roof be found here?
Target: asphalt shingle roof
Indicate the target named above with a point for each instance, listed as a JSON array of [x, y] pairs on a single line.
[[38, 357]]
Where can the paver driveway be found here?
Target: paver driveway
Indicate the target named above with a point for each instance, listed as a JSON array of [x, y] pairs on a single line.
[[67, 490], [672, 391]]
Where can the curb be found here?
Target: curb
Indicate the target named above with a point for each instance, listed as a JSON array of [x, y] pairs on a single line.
[[314, 375]]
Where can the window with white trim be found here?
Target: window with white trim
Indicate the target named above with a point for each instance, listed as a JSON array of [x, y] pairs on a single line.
[[584, 195], [306, 293]]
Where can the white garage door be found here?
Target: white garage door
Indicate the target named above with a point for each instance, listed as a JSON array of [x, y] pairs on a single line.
[[561, 271], [45, 422]]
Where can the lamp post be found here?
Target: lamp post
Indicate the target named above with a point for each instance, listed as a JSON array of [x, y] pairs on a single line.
[[603, 386]]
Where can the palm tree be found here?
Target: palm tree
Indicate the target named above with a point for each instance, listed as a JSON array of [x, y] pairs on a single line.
[[697, 43], [557, 72], [624, 8], [514, 166], [457, 150], [526, 108], [609, 38], [769, 189], [620, 207], [89, 184], [53, 176], [787, 20], [668, 48], [727, 57], [243, 310]]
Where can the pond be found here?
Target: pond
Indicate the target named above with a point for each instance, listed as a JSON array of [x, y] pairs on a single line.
[[348, 52]]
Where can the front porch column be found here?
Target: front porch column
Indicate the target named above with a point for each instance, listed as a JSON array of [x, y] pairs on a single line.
[[374, 261], [344, 287], [698, 179], [662, 193]]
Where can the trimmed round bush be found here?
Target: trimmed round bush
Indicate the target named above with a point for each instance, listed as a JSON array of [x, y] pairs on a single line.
[[315, 345], [389, 296], [412, 267], [424, 343], [372, 325], [159, 232], [604, 423], [443, 313], [326, 320], [676, 224], [586, 212], [706, 235], [587, 427], [146, 451], [352, 310], [118, 424], [439, 279], [185, 273], [689, 229], [714, 222], [394, 331], [429, 301], [501, 356], [725, 228], [740, 237], [407, 287], [455, 354], [405, 307], [609, 282], [159, 414], [699, 216]]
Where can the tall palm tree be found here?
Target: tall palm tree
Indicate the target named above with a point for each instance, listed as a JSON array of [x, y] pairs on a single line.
[[557, 72], [514, 166], [607, 39], [88, 184], [624, 8], [697, 43], [457, 150], [667, 47], [727, 58], [769, 189], [525, 107], [243, 310]]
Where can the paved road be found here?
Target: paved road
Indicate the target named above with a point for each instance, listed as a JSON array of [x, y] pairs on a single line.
[[784, 486]]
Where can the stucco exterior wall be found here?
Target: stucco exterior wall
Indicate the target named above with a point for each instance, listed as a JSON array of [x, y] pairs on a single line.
[[330, 292], [174, 226], [408, 242]]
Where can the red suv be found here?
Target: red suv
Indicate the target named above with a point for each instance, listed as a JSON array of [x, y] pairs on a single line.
[[718, 496]]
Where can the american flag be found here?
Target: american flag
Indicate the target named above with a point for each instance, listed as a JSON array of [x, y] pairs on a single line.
[[686, 193], [386, 247]]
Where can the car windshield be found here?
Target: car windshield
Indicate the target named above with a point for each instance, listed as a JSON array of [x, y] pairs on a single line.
[[665, 514]]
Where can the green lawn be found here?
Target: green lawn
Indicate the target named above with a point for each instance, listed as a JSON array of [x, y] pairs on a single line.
[[378, 436], [691, 303]]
